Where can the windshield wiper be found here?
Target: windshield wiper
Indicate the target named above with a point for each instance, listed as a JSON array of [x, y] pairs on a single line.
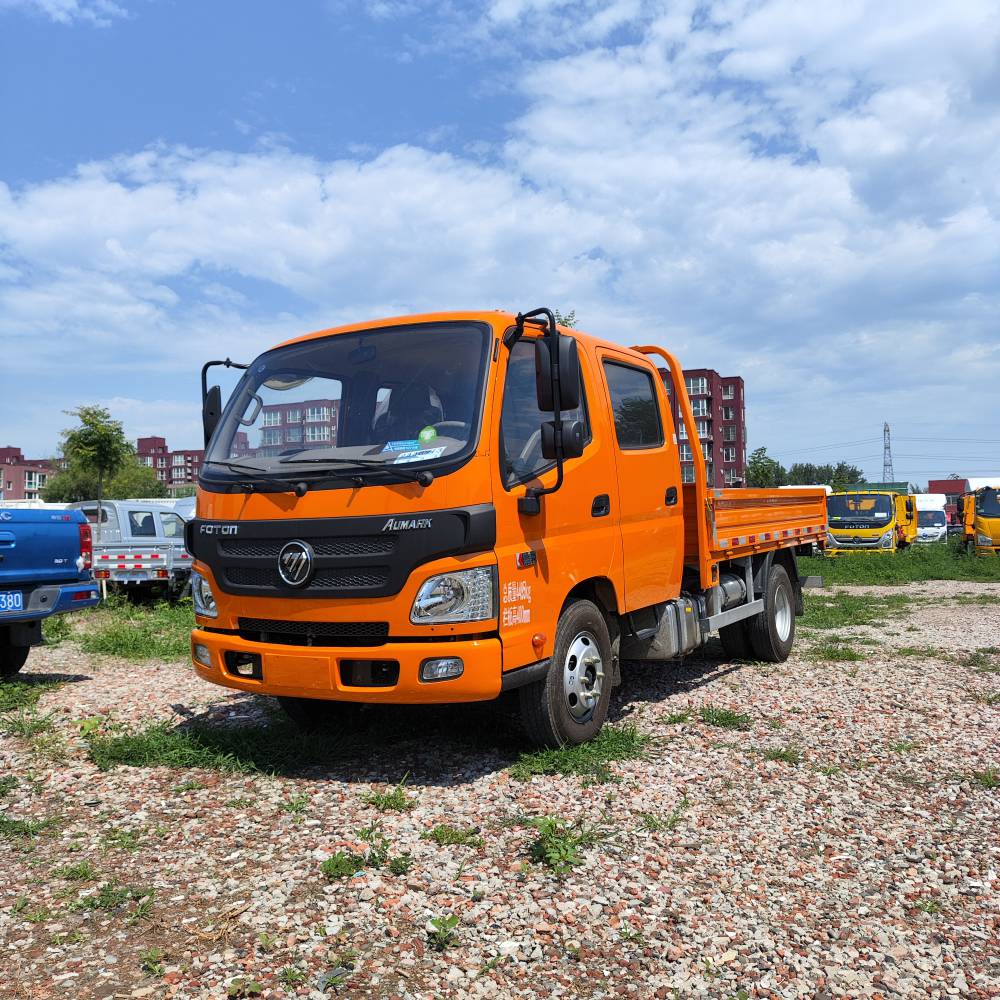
[[262, 475], [236, 467], [424, 476]]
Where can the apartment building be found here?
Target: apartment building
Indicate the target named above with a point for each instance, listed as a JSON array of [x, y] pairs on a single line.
[[22, 478], [173, 468]]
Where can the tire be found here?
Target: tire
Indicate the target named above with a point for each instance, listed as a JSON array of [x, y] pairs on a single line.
[[318, 715], [12, 658], [772, 632], [570, 704], [736, 641]]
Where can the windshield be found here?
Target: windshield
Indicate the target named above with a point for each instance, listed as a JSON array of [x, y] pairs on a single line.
[[988, 503], [859, 507], [931, 519], [403, 396]]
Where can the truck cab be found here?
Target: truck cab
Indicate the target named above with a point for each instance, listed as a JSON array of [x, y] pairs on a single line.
[[980, 516], [441, 508], [873, 521]]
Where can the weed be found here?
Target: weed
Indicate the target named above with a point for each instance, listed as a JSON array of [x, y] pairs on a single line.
[[378, 844], [557, 845], [927, 651], [82, 871], [829, 770], [37, 916], [151, 961], [833, 652], [678, 718], [631, 935], [192, 785], [111, 896], [987, 698], [725, 718], [393, 800], [342, 864], [291, 976], [240, 989], [23, 829], [401, 864], [918, 562], [490, 964], [775, 724], [587, 759], [26, 723], [441, 933], [445, 835], [929, 906], [7, 784], [985, 660], [126, 840], [990, 778], [903, 746], [23, 693], [786, 755], [73, 937], [160, 631], [56, 629], [241, 802], [296, 806]]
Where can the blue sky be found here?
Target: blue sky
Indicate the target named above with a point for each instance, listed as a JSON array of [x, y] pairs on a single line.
[[805, 194]]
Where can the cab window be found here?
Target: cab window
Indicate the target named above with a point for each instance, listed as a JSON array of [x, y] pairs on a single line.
[[636, 411], [141, 524], [521, 420], [173, 526]]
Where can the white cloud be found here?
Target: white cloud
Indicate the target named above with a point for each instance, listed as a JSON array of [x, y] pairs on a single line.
[[808, 198], [96, 12]]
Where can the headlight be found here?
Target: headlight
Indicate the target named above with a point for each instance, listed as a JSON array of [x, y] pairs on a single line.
[[202, 596], [886, 540], [983, 539], [466, 595]]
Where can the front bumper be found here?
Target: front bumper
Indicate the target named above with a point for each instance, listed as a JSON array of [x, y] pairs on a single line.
[[988, 550], [316, 671]]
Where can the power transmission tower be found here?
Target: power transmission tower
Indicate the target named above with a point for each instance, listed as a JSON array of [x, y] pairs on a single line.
[[887, 473]]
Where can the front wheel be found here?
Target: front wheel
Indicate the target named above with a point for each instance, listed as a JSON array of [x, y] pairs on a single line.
[[12, 658], [772, 632], [571, 703]]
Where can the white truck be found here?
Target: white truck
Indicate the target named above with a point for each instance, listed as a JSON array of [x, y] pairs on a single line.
[[932, 521]]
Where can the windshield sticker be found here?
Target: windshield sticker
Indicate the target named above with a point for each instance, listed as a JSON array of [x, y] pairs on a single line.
[[881, 514], [401, 446], [418, 456], [427, 435]]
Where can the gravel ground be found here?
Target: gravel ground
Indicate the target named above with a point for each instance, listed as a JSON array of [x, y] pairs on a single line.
[[861, 861]]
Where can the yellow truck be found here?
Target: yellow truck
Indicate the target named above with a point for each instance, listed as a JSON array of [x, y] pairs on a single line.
[[980, 514], [870, 521]]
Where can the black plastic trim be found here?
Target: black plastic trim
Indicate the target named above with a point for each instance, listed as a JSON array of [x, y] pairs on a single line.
[[522, 676]]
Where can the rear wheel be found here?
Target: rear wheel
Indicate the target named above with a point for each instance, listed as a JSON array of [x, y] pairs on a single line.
[[571, 703], [316, 715], [772, 632], [12, 658]]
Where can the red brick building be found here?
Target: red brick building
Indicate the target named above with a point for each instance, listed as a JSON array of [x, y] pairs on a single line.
[[172, 468], [720, 415], [22, 478], [952, 489]]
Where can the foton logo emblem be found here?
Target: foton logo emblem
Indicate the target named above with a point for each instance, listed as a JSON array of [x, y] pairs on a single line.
[[218, 529], [295, 563], [407, 524]]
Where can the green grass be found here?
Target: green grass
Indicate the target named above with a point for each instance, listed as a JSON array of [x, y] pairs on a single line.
[[267, 748], [25, 723], [7, 784], [442, 932], [612, 743], [678, 718], [990, 778], [111, 896], [834, 652], [126, 840], [342, 864], [82, 871], [784, 755], [724, 718], [445, 835], [23, 829], [394, 799], [655, 823], [151, 961], [23, 693], [57, 629], [919, 562], [557, 844], [839, 610], [160, 631], [985, 660]]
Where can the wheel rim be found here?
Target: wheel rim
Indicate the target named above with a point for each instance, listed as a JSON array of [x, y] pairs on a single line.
[[583, 676], [782, 614]]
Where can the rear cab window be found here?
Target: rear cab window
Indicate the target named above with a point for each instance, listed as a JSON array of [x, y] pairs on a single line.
[[141, 524], [638, 423]]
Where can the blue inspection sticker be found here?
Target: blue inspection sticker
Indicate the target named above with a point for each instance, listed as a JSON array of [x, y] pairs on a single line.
[[402, 446], [418, 456]]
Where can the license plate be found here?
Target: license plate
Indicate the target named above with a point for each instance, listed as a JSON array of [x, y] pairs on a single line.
[[11, 600]]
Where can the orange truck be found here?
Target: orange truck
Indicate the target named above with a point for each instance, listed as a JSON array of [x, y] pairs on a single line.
[[444, 507]]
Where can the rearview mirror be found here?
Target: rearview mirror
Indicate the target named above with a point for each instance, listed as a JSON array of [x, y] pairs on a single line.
[[909, 506], [569, 373], [211, 411], [572, 439]]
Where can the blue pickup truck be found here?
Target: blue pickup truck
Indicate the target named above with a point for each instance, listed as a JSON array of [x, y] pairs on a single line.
[[45, 569]]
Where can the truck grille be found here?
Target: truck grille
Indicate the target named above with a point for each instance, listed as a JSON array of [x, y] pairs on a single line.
[[314, 633], [324, 579], [264, 548]]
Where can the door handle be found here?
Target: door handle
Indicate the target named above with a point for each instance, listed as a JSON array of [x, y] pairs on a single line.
[[601, 506], [670, 497]]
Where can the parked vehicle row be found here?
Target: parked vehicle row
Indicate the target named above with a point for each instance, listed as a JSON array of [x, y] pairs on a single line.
[[875, 521]]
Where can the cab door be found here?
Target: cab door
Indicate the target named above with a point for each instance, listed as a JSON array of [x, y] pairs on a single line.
[[651, 514]]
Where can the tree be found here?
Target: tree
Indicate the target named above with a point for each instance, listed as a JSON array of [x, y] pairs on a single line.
[[565, 319], [845, 475], [132, 480], [764, 471], [97, 446]]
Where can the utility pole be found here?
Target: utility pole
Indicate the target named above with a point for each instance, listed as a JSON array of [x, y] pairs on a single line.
[[887, 473]]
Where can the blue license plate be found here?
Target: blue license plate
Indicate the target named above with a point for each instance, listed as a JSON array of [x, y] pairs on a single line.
[[11, 600]]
